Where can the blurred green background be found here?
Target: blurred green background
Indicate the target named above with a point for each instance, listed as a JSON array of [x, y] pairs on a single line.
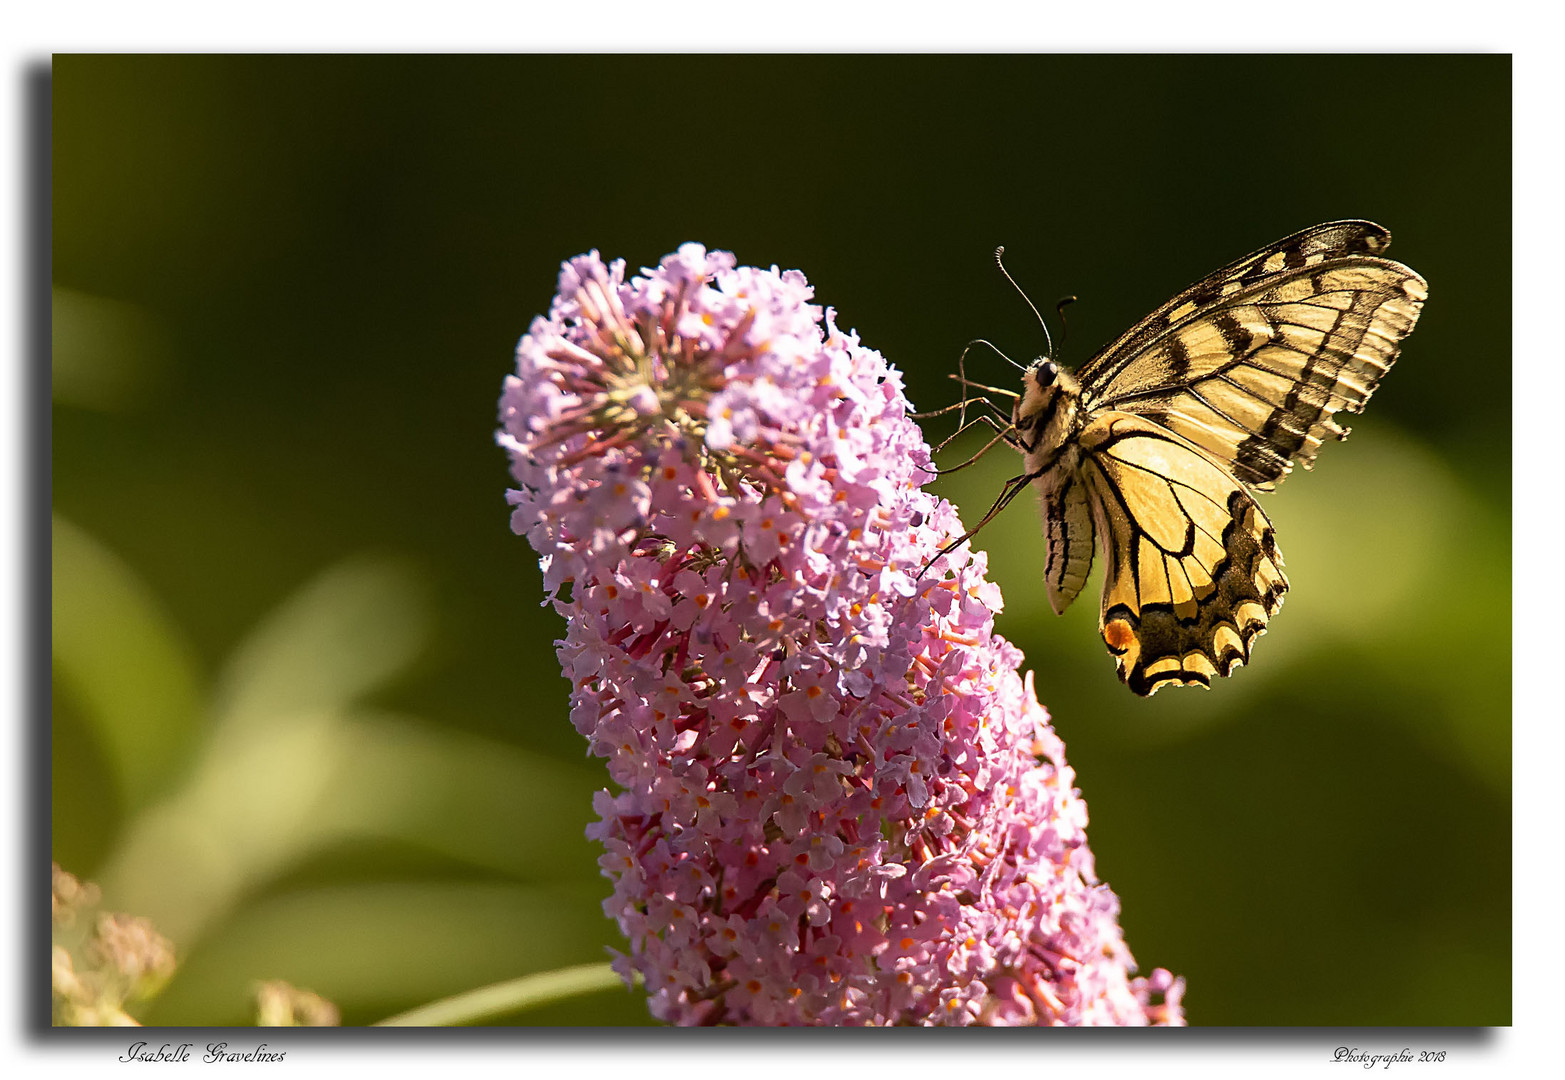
[[307, 715]]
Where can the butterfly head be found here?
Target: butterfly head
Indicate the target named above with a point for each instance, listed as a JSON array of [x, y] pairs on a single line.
[[1046, 387]]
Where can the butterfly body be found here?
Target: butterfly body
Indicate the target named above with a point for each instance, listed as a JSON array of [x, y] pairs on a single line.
[[1151, 452], [1048, 421]]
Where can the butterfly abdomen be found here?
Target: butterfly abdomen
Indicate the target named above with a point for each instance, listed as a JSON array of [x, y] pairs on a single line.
[[1047, 419], [1067, 527]]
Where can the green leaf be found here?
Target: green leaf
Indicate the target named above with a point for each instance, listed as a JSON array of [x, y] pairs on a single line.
[[478, 800], [262, 793], [342, 635], [124, 662]]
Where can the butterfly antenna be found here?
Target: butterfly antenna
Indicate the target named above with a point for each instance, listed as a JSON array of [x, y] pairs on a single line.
[[1065, 327], [1048, 341]]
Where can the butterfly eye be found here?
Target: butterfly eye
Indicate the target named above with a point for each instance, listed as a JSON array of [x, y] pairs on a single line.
[[1043, 372]]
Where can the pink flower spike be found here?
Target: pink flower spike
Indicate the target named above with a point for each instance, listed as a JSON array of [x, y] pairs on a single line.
[[838, 801]]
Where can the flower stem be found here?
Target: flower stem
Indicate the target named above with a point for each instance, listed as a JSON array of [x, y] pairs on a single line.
[[511, 996]]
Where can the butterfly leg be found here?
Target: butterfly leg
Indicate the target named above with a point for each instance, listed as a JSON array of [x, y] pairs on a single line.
[[949, 408], [1013, 487], [1003, 416], [963, 424], [961, 377], [983, 386], [1006, 433]]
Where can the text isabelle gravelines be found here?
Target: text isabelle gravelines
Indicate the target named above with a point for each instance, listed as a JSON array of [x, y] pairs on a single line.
[[214, 1052]]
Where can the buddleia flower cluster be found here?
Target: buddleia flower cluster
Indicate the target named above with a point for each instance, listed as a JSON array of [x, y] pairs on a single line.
[[837, 801]]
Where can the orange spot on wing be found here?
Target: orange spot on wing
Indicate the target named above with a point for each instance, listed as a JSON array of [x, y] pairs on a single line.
[[1118, 635]]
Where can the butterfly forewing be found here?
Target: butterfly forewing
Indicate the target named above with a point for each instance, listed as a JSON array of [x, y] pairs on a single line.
[[1331, 240]]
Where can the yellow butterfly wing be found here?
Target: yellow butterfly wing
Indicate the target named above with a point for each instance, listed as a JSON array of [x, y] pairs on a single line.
[[1251, 362], [1192, 573]]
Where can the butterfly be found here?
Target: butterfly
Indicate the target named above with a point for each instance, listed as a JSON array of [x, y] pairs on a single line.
[[1152, 451]]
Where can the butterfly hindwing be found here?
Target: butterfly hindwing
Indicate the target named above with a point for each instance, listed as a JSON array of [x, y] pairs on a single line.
[[1192, 570], [1251, 362]]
